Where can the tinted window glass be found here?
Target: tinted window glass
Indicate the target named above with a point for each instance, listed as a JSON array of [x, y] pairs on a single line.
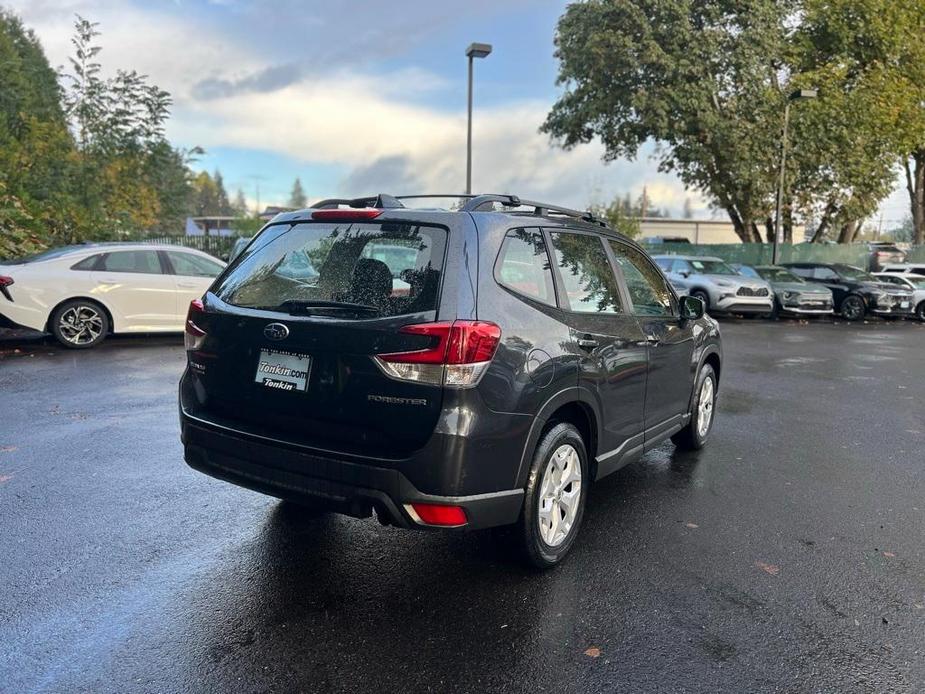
[[824, 273], [190, 265], [648, 292], [711, 267], [393, 268], [588, 279], [802, 271], [144, 262], [664, 263], [748, 271], [523, 266], [86, 263]]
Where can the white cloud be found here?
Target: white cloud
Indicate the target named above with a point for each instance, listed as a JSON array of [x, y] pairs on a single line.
[[357, 121]]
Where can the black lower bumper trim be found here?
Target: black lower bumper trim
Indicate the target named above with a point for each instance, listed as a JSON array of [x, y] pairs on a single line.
[[344, 487]]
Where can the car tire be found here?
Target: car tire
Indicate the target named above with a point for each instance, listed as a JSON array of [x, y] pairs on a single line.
[[694, 436], [79, 324], [853, 308], [775, 311], [561, 451], [920, 311], [704, 297]]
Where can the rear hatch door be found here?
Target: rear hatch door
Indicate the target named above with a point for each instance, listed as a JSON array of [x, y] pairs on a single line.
[[292, 328]]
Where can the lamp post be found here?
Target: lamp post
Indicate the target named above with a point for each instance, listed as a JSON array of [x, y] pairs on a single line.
[[798, 95], [475, 50]]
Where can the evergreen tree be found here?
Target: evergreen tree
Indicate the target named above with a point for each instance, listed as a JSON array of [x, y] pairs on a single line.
[[297, 197]]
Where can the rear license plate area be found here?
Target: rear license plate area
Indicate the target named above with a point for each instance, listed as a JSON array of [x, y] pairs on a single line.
[[281, 370]]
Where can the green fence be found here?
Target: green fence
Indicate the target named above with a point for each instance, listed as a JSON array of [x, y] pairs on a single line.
[[916, 255], [760, 253]]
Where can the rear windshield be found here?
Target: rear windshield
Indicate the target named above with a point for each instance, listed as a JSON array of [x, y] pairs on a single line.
[[389, 269]]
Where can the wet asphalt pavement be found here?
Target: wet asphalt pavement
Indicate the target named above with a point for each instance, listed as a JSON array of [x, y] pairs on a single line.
[[787, 556]]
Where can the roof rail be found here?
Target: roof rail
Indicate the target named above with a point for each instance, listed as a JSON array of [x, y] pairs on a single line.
[[540, 209], [380, 201], [473, 203]]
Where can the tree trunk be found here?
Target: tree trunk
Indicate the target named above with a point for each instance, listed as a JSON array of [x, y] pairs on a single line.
[[825, 222], [744, 228], [848, 232], [787, 223], [915, 184]]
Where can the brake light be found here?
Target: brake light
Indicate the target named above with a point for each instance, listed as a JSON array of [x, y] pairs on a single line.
[[459, 353], [5, 281], [342, 215], [438, 514], [193, 335]]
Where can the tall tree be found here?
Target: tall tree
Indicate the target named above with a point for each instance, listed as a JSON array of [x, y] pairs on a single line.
[[700, 79], [297, 197], [222, 204], [708, 81], [239, 206]]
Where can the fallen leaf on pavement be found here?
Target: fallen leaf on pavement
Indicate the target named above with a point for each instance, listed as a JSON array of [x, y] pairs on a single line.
[[692, 525], [7, 449], [593, 652], [772, 569], [889, 554], [5, 478]]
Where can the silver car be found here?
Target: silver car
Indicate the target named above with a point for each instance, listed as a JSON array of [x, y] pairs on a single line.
[[713, 281], [914, 283]]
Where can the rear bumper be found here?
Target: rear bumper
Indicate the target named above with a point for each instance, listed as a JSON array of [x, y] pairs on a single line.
[[351, 488]]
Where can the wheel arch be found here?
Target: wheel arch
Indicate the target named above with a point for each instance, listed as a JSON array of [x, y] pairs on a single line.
[[89, 299], [573, 406]]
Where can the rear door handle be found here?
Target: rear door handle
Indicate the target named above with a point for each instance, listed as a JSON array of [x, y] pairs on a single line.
[[186, 285], [587, 342]]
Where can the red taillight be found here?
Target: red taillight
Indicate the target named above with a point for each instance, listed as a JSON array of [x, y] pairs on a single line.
[[438, 514], [459, 342], [344, 215], [458, 355], [193, 335], [5, 281]]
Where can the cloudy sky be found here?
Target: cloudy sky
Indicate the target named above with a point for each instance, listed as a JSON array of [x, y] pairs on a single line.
[[358, 96]]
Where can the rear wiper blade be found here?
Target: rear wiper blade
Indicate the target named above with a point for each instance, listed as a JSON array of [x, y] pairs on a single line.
[[308, 308]]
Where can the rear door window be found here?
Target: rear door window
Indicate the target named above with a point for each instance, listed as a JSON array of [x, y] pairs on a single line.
[[587, 277], [389, 268], [523, 266]]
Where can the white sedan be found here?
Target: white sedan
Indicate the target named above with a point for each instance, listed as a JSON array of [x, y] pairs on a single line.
[[80, 294]]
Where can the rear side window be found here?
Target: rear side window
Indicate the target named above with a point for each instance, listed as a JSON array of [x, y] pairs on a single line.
[[142, 262], [587, 278], [394, 268], [190, 265], [523, 266], [648, 291]]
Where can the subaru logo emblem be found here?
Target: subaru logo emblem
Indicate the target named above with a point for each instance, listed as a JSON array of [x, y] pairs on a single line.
[[276, 331]]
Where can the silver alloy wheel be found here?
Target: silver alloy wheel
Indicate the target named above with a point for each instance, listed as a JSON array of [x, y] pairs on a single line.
[[705, 407], [560, 494], [80, 325]]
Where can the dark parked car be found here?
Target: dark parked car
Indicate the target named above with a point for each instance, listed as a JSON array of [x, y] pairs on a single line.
[[883, 253], [526, 351], [856, 292], [792, 294]]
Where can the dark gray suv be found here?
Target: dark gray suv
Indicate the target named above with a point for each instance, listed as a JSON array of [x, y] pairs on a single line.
[[443, 369]]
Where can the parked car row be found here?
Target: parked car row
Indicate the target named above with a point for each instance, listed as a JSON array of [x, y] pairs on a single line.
[[805, 288]]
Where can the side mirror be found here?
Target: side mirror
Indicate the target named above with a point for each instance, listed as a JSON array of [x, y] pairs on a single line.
[[685, 274], [692, 308]]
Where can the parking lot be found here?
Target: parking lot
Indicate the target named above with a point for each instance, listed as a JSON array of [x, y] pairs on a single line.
[[788, 555]]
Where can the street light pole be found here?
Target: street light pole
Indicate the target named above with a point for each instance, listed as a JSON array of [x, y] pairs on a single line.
[[475, 50], [778, 213]]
